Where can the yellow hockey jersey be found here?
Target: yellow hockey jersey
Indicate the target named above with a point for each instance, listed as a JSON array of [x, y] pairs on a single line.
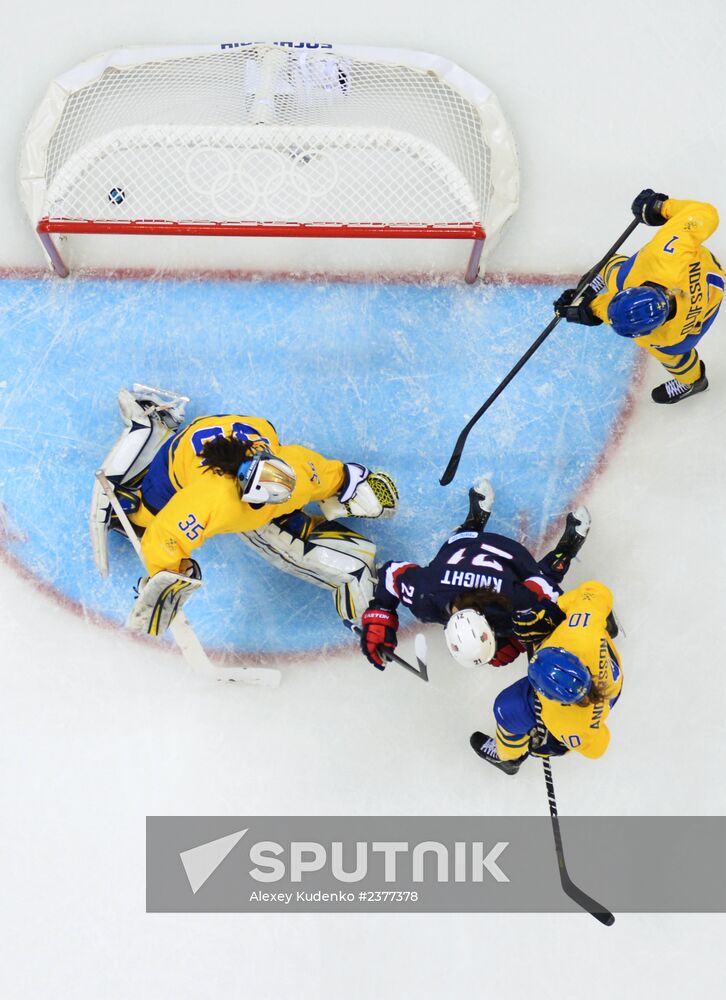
[[583, 632], [204, 503], [676, 259]]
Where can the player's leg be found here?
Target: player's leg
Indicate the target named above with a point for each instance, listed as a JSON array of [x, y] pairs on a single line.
[[515, 718], [481, 500], [149, 416], [556, 563], [327, 554], [687, 371]]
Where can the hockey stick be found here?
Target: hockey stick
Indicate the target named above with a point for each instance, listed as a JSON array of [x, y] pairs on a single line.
[[450, 470], [183, 633], [595, 909], [422, 672]]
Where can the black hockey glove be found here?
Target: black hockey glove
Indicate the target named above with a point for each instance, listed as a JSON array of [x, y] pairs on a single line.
[[647, 207], [543, 744], [379, 634], [579, 313], [532, 625]]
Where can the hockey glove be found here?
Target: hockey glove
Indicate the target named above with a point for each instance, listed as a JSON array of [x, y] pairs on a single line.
[[648, 205], [535, 624], [543, 744], [187, 567], [580, 312], [506, 652], [379, 635]]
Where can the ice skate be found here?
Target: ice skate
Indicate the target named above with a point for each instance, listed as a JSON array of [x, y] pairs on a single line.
[[481, 500], [576, 530], [486, 747], [674, 391]]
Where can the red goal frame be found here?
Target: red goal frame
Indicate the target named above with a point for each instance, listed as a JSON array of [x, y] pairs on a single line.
[[46, 227]]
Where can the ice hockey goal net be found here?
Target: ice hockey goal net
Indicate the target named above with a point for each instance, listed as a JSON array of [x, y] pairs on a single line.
[[283, 139]]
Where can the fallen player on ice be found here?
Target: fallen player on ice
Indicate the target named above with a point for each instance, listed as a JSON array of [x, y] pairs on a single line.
[[472, 587]]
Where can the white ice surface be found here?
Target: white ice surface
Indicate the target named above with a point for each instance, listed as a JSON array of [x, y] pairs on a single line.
[[96, 733]]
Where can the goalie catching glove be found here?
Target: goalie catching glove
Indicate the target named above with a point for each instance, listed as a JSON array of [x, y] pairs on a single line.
[[160, 597], [379, 634], [363, 494]]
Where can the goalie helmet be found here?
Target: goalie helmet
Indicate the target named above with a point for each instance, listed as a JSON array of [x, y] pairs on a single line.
[[637, 311], [470, 638], [559, 675], [264, 478]]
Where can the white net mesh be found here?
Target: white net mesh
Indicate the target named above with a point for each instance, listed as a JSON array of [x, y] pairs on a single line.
[[263, 134]]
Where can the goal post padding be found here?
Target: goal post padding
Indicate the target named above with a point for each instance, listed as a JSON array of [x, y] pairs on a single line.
[[266, 139]]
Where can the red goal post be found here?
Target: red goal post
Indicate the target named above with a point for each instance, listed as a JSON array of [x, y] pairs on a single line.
[[273, 139]]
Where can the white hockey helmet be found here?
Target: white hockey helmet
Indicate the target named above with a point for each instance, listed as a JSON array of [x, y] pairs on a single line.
[[470, 638], [264, 478]]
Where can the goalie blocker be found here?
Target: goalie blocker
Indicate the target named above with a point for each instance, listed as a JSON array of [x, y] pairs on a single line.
[[160, 597]]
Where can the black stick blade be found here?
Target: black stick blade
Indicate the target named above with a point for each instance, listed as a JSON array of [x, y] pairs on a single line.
[[595, 909]]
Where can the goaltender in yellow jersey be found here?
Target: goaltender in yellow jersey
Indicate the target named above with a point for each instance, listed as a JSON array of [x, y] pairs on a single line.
[[187, 497], [573, 681], [229, 473]]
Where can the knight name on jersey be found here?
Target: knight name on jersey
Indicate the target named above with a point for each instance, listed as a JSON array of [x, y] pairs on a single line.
[[468, 580]]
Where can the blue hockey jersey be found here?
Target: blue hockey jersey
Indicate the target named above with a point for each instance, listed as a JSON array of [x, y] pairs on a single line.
[[469, 560]]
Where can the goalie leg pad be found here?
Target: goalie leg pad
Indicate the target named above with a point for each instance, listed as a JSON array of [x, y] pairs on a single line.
[[159, 599], [325, 553], [373, 496], [167, 406], [125, 466]]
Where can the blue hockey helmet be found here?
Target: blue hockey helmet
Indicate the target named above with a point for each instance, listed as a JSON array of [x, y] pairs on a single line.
[[559, 675], [636, 311]]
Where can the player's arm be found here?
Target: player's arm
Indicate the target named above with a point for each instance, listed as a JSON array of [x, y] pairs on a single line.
[[682, 222], [380, 621], [390, 584], [325, 475], [592, 596], [607, 286], [594, 743], [692, 221], [571, 728], [175, 532]]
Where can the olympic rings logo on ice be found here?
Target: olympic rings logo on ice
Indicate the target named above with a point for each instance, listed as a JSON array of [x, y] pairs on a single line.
[[263, 183]]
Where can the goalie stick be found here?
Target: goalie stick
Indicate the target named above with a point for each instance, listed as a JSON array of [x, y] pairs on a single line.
[[183, 633], [421, 654], [453, 465]]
